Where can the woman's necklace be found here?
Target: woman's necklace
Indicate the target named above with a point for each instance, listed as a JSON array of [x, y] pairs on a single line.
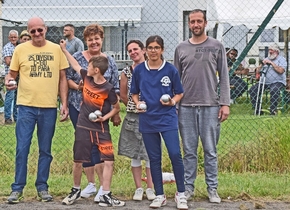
[[90, 56]]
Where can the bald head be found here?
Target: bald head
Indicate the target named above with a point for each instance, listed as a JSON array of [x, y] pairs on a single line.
[[37, 30], [35, 21]]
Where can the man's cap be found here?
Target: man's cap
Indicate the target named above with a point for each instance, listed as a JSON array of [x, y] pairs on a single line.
[[24, 33]]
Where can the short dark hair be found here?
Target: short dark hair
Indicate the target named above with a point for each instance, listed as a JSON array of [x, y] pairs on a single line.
[[69, 25], [196, 11], [235, 50], [140, 44], [100, 62]]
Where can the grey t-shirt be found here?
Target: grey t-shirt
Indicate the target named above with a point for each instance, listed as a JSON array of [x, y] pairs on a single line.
[[74, 45], [198, 66]]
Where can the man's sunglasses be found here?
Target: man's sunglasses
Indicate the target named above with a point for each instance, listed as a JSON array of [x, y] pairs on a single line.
[[39, 30]]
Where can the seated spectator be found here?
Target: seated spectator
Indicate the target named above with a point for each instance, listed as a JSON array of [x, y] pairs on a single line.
[[274, 76], [238, 85]]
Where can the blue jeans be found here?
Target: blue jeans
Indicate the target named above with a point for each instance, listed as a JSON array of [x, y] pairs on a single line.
[[44, 119], [73, 115], [152, 143], [199, 123], [10, 103], [240, 86]]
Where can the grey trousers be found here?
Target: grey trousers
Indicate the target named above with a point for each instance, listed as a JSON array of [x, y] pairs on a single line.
[[199, 123]]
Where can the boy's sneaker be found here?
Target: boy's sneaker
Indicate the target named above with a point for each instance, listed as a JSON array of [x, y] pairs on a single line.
[[160, 200], [213, 196], [72, 197], [14, 197], [150, 194], [188, 194], [109, 200], [138, 195], [89, 190], [181, 201], [44, 196], [97, 197]]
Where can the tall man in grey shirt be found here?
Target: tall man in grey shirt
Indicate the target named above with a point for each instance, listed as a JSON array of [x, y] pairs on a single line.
[[201, 110]]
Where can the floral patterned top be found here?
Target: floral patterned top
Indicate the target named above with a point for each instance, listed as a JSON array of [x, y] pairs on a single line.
[[111, 75]]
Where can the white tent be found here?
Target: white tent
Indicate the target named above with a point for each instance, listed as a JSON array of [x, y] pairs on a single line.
[[247, 12], [250, 13]]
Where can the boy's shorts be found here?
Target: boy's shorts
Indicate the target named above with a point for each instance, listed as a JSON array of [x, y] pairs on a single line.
[[84, 141]]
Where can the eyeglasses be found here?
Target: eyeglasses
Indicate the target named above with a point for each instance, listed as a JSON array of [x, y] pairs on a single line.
[[156, 48], [39, 30]]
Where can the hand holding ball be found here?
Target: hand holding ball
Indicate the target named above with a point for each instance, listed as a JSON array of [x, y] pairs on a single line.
[[92, 116], [143, 106], [165, 98], [98, 113], [12, 82]]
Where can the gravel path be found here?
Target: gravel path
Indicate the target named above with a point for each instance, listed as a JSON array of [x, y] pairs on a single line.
[[135, 205]]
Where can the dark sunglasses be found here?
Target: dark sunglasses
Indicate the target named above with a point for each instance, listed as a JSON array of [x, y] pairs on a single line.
[[39, 30]]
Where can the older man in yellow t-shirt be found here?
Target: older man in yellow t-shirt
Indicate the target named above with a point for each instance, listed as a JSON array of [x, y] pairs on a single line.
[[41, 65]]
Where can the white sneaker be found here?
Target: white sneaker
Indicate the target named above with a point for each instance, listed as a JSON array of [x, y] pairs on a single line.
[[138, 195], [109, 200], [160, 200], [97, 197], [213, 196], [181, 201], [72, 196], [150, 194], [89, 190]]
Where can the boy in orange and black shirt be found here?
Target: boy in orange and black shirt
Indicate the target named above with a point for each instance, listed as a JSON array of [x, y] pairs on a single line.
[[98, 94]]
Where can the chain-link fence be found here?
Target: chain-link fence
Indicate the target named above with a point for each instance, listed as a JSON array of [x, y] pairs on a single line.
[[253, 137]]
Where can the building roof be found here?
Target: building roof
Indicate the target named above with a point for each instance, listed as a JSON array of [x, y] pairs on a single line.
[[77, 15]]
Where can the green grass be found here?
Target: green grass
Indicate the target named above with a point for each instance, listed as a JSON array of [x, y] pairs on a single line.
[[253, 159], [262, 186]]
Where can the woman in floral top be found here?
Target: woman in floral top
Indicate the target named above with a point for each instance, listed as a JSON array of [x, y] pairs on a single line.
[[93, 36]]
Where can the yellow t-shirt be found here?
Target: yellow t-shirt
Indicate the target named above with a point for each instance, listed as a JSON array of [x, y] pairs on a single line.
[[39, 73]]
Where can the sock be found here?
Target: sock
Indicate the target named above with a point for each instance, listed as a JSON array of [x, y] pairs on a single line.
[[106, 192], [180, 194], [100, 191], [162, 196]]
